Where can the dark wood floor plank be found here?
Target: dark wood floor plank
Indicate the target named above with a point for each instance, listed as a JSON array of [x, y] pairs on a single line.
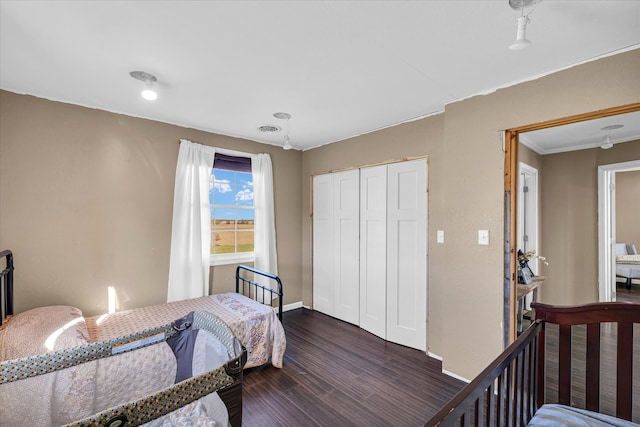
[[336, 374]]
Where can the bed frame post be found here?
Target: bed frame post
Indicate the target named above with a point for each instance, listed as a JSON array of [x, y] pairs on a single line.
[[6, 285], [256, 288]]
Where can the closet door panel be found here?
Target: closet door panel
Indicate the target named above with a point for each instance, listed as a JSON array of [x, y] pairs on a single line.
[[373, 249], [407, 254], [346, 230], [323, 292]]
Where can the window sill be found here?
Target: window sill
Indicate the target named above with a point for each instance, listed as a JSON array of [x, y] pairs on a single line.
[[237, 258]]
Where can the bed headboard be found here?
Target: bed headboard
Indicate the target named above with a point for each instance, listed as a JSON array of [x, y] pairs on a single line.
[[6, 285], [260, 286]]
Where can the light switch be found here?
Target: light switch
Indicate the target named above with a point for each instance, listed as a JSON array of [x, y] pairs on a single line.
[[483, 237], [440, 236]]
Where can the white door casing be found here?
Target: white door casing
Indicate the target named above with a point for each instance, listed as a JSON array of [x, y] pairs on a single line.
[[607, 227], [528, 217]]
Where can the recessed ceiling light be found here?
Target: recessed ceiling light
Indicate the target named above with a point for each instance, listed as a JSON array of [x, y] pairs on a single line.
[[149, 79]]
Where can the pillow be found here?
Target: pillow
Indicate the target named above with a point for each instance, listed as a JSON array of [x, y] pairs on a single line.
[[628, 259], [42, 330]]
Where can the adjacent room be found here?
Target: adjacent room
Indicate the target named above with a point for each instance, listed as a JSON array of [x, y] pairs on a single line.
[[373, 167]]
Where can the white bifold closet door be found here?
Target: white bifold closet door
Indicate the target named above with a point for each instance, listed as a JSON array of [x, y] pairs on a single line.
[[407, 253], [323, 244], [393, 252], [336, 228], [373, 250], [370, 249]]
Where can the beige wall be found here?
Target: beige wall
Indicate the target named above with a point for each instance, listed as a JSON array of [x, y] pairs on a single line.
[[418, 138], [528, 156], [569, 228], [474, 192], [86, 199], [628, 207], [465, 308]]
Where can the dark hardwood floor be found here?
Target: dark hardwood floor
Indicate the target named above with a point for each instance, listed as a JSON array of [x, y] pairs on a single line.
[[336, 374], [628, 295]]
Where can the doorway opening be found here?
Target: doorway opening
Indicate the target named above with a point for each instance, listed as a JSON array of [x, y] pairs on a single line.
[[511, 139], [607, 226]]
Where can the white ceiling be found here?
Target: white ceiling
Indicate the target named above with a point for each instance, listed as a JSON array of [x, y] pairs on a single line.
[[583, 135], [340, 68]]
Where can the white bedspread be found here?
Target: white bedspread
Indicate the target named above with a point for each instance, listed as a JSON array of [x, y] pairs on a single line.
[[553, 415], [254, 324], [80, 391]]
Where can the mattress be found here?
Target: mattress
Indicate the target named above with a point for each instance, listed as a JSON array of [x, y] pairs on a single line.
[[256, 325], [140, 376], [45, 329], [554, 415]]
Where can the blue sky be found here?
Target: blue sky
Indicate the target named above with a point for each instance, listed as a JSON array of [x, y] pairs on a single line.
[[231, 189]]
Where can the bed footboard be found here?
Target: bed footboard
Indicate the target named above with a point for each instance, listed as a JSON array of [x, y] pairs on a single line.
[[6, 285], [604, 333], [260, 286], [579, 356], [504, 394]]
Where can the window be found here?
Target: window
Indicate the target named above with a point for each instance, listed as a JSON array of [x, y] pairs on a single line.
[[232, 210]]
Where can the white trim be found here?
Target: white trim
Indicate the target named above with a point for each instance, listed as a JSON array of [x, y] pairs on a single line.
[[292, 306], [234, 258], [532, 211], [434, 356], [607, 226], [458, 377]]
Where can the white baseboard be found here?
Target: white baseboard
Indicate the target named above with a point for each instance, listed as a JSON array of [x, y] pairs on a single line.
[[292, 306], [435, 356], [458, 377], [444, 371]]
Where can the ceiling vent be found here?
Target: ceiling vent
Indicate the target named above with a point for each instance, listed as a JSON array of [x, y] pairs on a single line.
[[269, 128]]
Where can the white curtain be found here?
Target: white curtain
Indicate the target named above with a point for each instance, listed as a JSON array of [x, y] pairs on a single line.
[[191, 229], [264, 225]]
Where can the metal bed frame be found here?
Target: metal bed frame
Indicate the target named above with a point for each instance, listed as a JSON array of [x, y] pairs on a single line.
[[250, 287], [6, 286]]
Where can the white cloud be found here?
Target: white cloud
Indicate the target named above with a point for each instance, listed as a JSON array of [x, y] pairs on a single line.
[[222, 185], [244, 195]]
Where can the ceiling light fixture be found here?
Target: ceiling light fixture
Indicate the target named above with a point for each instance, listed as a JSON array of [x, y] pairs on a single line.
[[149, 79], [521, 41], [606, 141], [285, 116]]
